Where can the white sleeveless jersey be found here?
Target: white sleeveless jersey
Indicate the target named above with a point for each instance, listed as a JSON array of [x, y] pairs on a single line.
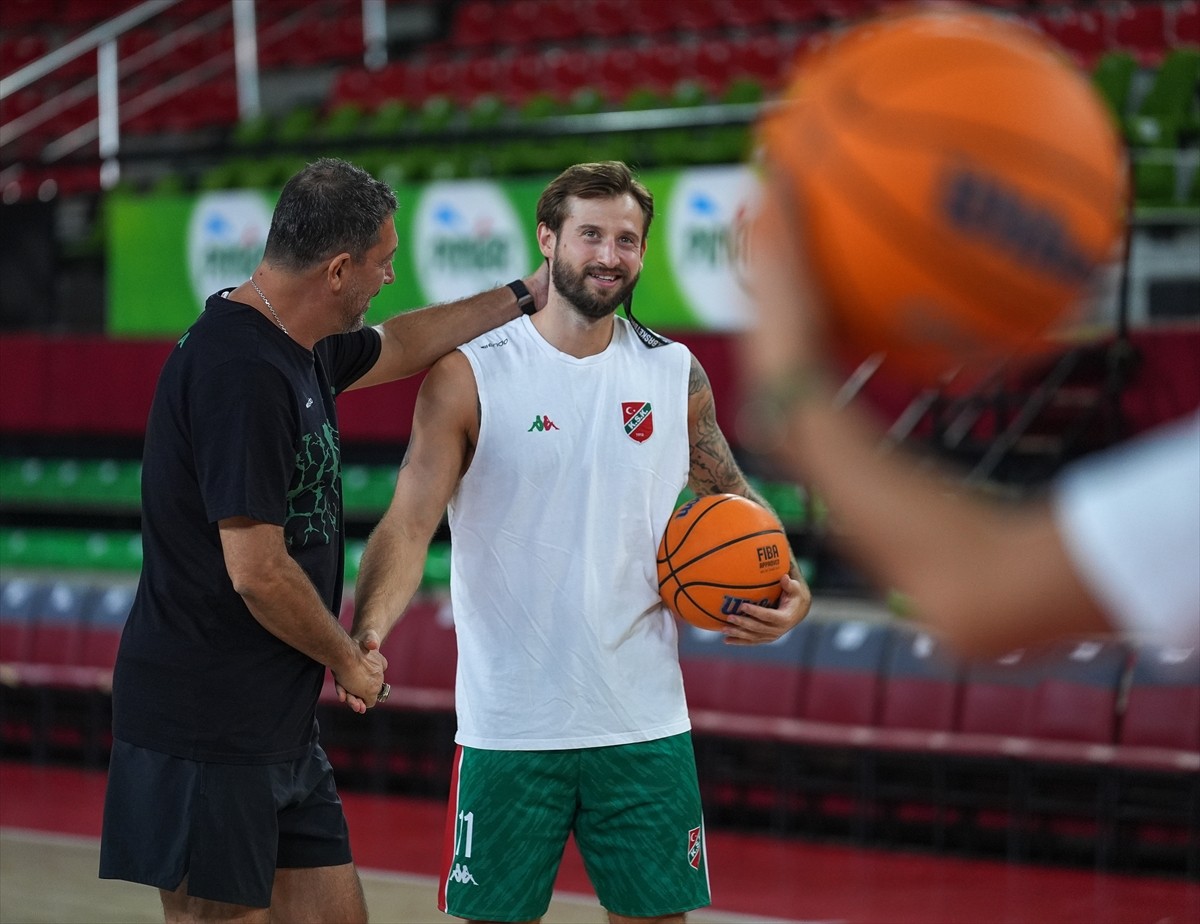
[[563, 641]]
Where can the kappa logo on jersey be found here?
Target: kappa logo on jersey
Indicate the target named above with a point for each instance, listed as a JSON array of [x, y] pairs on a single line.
[[460, 873], [541, 424], [639, 421], [694, 842]]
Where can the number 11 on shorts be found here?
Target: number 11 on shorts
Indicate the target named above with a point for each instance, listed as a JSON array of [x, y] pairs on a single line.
[[464, 834]]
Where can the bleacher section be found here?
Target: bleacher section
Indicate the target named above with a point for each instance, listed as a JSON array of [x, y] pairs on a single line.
[[470, 95], [1088, 752]]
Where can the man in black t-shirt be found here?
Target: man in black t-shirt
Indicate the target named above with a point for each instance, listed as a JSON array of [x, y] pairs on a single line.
[[219, 793]]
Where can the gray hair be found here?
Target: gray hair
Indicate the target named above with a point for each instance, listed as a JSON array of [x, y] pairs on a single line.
[[329, 207]]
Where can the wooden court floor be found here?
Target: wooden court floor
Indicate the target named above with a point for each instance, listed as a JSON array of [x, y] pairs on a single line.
[[50, 819]]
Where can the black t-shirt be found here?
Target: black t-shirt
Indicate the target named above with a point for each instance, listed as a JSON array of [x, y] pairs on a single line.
[[243, 423]]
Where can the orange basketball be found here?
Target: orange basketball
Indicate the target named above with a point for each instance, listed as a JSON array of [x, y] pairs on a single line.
[[719, 551], [958, 181]]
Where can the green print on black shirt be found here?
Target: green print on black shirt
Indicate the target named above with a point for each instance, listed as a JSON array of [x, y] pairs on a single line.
[[313, 503]]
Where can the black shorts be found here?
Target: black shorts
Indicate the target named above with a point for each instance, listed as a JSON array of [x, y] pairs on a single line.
[[226, 827]]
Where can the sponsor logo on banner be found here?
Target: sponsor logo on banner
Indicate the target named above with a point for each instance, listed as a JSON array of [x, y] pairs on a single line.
[[706, 217], [639, 421], [466, 237], [226, 236]]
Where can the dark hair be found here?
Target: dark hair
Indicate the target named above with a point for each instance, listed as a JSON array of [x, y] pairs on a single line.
[[603, 180], [329, 207]]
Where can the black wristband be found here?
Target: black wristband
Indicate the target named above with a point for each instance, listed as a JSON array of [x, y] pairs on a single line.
[[524, 298]]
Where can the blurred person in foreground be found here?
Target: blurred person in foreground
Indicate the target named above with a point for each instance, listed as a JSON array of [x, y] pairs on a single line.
[[219, 793], [1113, 547], [561, 443]]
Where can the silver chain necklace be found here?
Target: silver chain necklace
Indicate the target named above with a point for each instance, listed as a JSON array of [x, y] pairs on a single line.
[[270, 307]]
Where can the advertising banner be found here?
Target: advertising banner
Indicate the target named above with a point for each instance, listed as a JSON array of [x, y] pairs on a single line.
[[167, 254]]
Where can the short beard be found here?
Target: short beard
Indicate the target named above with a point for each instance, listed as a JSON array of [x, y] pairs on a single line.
[[572, 286], [355, 318]]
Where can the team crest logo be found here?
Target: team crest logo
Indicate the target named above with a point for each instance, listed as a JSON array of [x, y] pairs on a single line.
[[639, 422], [694, 843]]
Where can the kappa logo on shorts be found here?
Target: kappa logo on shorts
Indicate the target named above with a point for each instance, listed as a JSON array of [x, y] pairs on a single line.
[[460, 873], [694, 842]]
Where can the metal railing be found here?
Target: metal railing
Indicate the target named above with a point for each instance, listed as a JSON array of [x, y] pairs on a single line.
[[111, 69]]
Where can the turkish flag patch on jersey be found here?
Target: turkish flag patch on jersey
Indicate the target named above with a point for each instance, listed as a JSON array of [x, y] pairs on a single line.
[[639, 422]]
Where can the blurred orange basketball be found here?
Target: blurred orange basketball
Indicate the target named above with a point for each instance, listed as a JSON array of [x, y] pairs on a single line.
[[717, 552], [958, 181]]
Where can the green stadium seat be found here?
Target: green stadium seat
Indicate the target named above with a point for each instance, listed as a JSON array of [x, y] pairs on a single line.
[[226, 175], [437, 567], [368, 489], [689, 93], [84, 483], [1171, 100], [72, 549], [644, 98], [391, 170], [435, 115], [1152, 131], [1155, 179], [585, 100], [297, 127], [789, 501], [354, 552], [344, 121], [112, 551], [486, 111], [252, 132], [110, 483], [539, 106], [1113, 76], [390, 119], [24, 481]]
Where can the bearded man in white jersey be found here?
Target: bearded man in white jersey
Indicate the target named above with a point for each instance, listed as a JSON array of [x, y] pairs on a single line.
[[570, 703]]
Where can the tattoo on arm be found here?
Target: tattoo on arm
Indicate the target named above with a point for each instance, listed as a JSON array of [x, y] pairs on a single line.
[[713, 468]]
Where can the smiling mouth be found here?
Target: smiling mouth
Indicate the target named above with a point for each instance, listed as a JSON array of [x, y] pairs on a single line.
[[605, 277]]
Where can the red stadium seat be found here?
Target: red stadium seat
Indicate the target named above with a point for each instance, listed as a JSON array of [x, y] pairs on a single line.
[[516, 23], [475, 23], [743, 691], [1162, 708], [1184, 25], [422, 655], [1081, 33], [609, 19], [1141, 29], [559, 21], [1077, 697], [651, 18], [743, 702], [102, 636], [59, 627], [999, 694], [845, 673], [1155, 802], [21, 600], [1073, 724], [922, 685]]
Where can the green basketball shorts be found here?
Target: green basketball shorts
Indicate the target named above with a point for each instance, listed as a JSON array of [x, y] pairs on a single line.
[[634, 810]]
